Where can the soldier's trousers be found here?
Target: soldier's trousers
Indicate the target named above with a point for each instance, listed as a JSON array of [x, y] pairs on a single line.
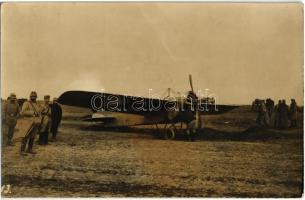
[[44, 137], [44, 134], [10, 133], [54, 128], [29, 140]]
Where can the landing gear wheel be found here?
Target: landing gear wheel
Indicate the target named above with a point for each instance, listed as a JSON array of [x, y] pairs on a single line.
[[169, 134]]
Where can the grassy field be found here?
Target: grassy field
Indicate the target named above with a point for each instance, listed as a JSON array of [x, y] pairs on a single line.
[[230, 158]]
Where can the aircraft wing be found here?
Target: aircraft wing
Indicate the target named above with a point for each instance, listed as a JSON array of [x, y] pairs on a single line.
[[125, 104]]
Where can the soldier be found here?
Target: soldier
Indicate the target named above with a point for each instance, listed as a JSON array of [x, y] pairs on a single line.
[[263, 117], [283, 114], [11, 113], [191, 114], [31, 111], [45, 121], [270, 106], [293, 113], [276, 114], [56, 115]]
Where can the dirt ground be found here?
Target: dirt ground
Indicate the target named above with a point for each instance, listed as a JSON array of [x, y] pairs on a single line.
[[227, 160]]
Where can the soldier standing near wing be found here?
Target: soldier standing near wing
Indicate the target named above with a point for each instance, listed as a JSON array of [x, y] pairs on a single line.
[[45, 121], [56, 115], [11, 113], [283, 114], [31, 111], [270, 106], [263, 116], [293, 113], [276, 114]]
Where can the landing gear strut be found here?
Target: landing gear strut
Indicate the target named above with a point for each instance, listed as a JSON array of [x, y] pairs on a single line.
[[170, 130]]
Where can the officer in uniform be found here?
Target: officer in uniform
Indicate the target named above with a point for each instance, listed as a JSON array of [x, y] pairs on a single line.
[[56, 115], [283, 114], [276, 114], [30, 111], [270, 106], [45, 121], [293, 113], [263, 116], [11, 113]]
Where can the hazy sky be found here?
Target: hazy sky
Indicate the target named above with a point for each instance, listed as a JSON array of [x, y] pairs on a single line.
[[237, 51]]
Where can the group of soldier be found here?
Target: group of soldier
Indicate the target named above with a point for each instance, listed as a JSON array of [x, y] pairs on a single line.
[[41, 119], [278, 116]]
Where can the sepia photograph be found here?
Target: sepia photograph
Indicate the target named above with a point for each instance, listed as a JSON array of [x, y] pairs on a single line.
[[152, 99]]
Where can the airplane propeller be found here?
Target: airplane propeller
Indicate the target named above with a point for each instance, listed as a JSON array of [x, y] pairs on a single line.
[[197, 115], [191, 82], [192, 126]]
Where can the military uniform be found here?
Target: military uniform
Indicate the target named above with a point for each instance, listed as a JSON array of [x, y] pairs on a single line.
[[11, 113], [31, 112], [293, 113], [276, 115], [263, 116], [56, 115], [45, 121], [270, 106], [283, 115]]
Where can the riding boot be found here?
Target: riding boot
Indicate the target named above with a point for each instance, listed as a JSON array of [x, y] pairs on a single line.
[[30, 147], [40, 139], [23, 145]]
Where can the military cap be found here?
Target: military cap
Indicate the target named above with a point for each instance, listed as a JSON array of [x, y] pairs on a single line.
[[33, 94], [46, 97], [13, 96]]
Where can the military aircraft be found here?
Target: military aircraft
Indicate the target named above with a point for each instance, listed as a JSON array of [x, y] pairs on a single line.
[[114, 110]]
